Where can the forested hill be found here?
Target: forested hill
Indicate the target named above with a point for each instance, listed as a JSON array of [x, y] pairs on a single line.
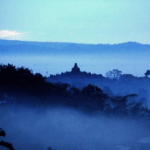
[[43, 48], [19, 86]]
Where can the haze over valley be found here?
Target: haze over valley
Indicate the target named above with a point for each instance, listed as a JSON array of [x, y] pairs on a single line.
[[53, 58], [75, 75]]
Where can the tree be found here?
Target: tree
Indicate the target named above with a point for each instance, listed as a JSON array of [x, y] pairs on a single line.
[[147, 73], [93, 97], [115, 74], [2, 133], [91, 90], [5, 144]]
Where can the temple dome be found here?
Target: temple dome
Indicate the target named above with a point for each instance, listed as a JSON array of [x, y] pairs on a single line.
[[75, 69]]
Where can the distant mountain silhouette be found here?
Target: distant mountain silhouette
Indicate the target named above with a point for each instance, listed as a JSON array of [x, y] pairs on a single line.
[[43, 48]]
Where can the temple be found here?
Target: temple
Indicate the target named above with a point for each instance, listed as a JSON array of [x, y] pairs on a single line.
[[75, 69], [75, 76]]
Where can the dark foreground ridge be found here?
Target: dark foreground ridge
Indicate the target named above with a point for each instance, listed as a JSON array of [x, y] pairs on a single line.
[[19, 86]]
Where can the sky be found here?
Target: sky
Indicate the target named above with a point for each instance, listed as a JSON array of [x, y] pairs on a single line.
[[77, 21]]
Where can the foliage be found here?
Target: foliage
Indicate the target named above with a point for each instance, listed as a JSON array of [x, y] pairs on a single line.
[[115, 74], [147, 73], [21, 86], [5, 144]]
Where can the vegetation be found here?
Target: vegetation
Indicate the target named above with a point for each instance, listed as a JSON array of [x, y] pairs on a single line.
[[5, 144], [21, 86], [147, 73]]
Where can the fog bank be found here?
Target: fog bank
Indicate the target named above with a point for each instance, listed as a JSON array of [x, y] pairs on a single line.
[[66, 129]]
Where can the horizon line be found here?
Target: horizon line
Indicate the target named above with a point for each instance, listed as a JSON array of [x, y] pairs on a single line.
[[73, 42]]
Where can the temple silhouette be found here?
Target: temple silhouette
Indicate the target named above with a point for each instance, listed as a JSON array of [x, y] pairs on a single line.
[[75, 69], [74, 76]]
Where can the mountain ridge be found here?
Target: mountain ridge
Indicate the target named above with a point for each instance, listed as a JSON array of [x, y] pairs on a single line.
[[35, 42], [44, 48]]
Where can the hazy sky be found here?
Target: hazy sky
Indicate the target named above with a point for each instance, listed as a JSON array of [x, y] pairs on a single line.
[[80, 21]]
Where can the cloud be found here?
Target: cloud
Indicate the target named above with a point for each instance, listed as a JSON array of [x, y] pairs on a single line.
[[7, 33]]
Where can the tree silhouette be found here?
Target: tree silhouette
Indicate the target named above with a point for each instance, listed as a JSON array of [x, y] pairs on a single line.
[[91, 90], [147, 73], [115, 74], [2, 133], [5, 144], [93, 97]]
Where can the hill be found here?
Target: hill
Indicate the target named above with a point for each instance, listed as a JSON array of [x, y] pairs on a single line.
[[43, 48]]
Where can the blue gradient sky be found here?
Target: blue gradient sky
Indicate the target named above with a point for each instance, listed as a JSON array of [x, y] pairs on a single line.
[[79, 21]]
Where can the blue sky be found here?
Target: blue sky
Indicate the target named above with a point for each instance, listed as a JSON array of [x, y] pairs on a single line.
[[79, 21]]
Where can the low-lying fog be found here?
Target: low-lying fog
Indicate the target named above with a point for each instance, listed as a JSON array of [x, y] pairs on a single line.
[[66, 129]]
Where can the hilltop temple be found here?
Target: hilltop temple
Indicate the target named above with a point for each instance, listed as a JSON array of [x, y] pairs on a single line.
[[75, 69], [75, 77], [76, 73]]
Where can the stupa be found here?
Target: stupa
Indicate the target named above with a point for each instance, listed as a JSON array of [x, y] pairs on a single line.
[[75, 69]]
